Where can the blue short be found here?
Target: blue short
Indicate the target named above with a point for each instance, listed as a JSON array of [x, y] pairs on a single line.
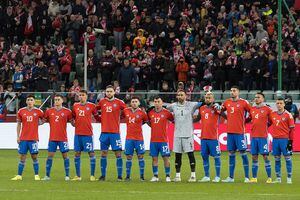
[[83, 143], [236, 142], [110, 139], [279, 147], [210, 147], [31, 146], [137, 145], [63, 146], [159, 147], [259, 146]]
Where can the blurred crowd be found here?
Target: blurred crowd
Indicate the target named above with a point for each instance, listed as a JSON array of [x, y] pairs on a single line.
[[146, 44]]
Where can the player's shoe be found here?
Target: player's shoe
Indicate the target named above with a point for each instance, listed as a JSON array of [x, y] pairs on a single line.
[[154, 179], [278, 180], [269, 180], [76, 178], [67, 178], [253, 180], [16, 178], [127, 179], [216, 179], [192, 179], [247, 180], [289, 180], [168, 179], [46, 178], [204, 179], [142, 178], [101, 178], [177, 179], [93, 178], [37, 178], [119, 179], [228, 180]]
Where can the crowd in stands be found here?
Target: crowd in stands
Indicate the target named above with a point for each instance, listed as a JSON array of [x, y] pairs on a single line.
[[146, 45]]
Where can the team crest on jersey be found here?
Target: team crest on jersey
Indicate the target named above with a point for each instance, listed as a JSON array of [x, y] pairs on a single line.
[[238, 105], [283, 119], [137, 116], [87, 108], [115, 105], [34, 114], [212, 112], [52, 113], [62, 114], [162, 116], [262, 111]]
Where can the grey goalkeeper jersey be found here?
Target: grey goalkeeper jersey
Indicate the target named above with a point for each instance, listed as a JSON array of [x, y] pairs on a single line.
[[183, 115]]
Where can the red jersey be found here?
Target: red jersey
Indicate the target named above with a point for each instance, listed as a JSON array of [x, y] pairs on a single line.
[[158, 123], [236, 111], [260, 117], [134, 121], [58, 123], [82, 114], [282, 124], [209, 122], [110, 114], [30, 123]]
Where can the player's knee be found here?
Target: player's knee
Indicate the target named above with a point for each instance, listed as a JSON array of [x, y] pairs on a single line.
[[231, 153], [155, 159], [140, 156], [129, 157], [104, 153], [77, 154], [65, 155], [277, 158], [118, 154], [34, 156], [255, 157], [243, 152], [92, 154], [287, 158]]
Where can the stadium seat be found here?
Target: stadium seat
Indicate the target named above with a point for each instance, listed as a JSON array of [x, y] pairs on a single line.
[[269, 95], [244, 94], [226, 95], [294, 94], [79, 69], [152, 93], [218, 95], [72, 77]]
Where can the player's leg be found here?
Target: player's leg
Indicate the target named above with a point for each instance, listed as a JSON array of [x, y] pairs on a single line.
[[154, 151], [116, 145], [188, 147], [277, 157], [288, 159], [205, 158], [22, 150], [268, 168], [92, 165], [167, 167], [241, 144], [78, 147], [254, 153], [140, 150], [104, 145], [264, 151], [214, 150], [129, 150], [33, 148], [64, 149], [88, 146], [231, 147], [51, 151], [178, 149]]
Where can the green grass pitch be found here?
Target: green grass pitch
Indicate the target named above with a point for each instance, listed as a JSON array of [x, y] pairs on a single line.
[[57, 188]]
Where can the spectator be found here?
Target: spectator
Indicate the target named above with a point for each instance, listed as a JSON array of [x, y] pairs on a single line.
[[40, 77], [247, 68], [291, 107], [92, 69], [17, 79], [182, 69], [6, 74], [106, 69], [74, 92], [166, 93], [169, 71], [66, 63], [219, 72], [127, 76], [118, 25], [157, 71]]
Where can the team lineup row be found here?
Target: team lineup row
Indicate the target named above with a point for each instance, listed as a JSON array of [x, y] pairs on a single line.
[[183, 113]]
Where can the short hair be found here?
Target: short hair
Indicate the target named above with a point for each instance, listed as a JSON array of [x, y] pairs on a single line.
[[59, 95], [260, 93], [83, 91], [209, 93], [110, 86], [135, 97], [157, 97], [280, 99], [181, 90], [30, 96], [236, 87]]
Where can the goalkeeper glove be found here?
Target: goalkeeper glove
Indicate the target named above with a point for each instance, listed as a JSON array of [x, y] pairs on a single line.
[[289, 146]]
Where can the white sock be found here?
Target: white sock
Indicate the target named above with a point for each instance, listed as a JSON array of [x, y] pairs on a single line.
[[193, 174], [177, 175]]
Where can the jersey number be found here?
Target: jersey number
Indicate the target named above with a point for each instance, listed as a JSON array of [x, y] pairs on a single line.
[[277, 122], [232, 110], [108, 109], [256, 116], [56, 118], [181, 112], [206, 116], [29, 118], [131, 120], [81, 113], [156, 120]]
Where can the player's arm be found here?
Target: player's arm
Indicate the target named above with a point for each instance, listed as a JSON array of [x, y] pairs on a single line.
[[18, 131], [96, 114], [145, 118], [196, 116], [196, 105]]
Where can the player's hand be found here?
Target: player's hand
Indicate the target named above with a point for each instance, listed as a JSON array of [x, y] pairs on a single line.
[[289, 146], [18, 140], [217, 107]]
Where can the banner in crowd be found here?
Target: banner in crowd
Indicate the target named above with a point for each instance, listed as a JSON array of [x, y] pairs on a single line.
[[8, 136]]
